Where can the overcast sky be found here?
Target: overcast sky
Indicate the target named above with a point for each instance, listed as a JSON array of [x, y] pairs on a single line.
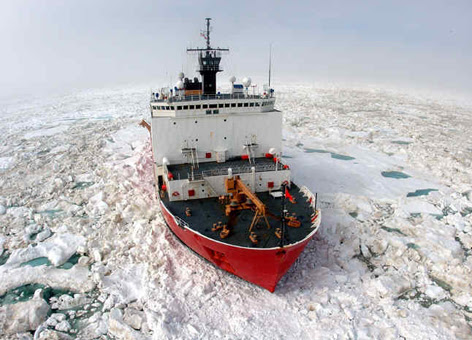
[[52, 45]]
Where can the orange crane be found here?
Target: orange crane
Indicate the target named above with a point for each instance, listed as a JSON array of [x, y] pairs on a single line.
[[242, 199]]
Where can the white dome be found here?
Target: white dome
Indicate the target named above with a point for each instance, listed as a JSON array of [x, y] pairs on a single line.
[[181, 75], [247, 82], [232, 79], [272, 151], [180, 85]]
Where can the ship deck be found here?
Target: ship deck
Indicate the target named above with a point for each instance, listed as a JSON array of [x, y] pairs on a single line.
[[206, 212]]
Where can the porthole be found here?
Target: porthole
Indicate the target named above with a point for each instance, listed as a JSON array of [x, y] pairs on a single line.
[[196, 122], [175, 123]]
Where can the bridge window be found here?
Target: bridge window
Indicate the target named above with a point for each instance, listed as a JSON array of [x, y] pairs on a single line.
[[233, 104], [205, 106], [208, 112], [215, 112], [192, 107], [185, 107], [251, 104], [197, 107], [246, 104], [226, 105], [240, 104], [213, 106], [179, 107], [257, 104]]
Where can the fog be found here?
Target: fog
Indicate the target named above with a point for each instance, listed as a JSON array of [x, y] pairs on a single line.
[[64, 45]]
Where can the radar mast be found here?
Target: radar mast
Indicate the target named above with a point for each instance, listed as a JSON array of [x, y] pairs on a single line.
[[209, 61]]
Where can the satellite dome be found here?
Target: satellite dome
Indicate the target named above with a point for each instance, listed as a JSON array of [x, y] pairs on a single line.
[[181, 75], [247, 82], [180, 85], [232, 79]]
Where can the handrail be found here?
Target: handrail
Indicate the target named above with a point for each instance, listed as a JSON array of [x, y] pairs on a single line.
[[236, 170], [212, 97], [181, 222]]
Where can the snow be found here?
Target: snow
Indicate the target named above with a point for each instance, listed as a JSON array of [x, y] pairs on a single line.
[[76, 180]]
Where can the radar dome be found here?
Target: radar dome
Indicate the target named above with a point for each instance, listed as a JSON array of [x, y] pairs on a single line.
[[181, 75], [232, 79], [180, 85], [247, 82]]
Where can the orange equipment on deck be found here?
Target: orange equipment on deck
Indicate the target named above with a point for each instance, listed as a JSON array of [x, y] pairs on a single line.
[[243, 199]]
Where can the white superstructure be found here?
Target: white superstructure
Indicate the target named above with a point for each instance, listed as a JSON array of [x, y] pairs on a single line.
[[198, 135]]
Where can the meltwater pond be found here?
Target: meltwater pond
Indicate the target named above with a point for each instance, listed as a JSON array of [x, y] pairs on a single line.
[[26, 292], [333, 154], [420, 192], [395, 174], [39, 261]]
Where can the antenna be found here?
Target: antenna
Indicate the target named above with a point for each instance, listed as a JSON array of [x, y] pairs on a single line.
[[270, 62], [208, 32]]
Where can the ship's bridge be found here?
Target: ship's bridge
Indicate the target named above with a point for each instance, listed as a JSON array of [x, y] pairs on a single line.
[[227, 103]]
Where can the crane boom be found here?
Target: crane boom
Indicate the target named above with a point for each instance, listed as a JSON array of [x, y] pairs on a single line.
[[241, 195]]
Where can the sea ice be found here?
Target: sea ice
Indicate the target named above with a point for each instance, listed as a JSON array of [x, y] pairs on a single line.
[[383, 265]]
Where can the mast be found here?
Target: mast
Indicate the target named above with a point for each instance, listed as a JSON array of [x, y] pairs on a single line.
[[209, 61], [208, 33], [270, 62]]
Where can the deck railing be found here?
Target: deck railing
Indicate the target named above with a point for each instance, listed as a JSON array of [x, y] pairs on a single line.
[[181, 222], [211, 97], [236, 170]]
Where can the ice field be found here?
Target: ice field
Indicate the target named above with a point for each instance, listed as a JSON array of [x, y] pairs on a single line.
[[84, 251]]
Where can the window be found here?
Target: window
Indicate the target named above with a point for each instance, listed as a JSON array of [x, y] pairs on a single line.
[[240, 104], [192, 107], [185, 107], [251, 104], [215, 112], [233, 104], [197, 107], [226, 105], [208, 112], [221, 106], [257, 104], [213, 106], [172, 107], [179, 107], [205, 106], [246, 104]]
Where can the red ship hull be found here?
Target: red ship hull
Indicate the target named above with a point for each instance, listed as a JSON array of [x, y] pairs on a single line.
[[261, 266]]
